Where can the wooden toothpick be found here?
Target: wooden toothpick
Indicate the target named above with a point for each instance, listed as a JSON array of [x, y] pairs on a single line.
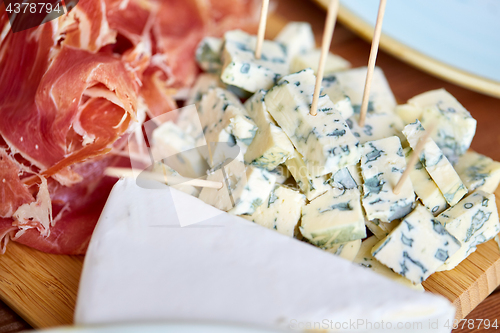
[[371, 62], [415, 154], [331, 18], [262, 28], [172, 180]]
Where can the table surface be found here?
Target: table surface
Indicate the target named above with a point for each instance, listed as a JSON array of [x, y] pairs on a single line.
[[410, 82]]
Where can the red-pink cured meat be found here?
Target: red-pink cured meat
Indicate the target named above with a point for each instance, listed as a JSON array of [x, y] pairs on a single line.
[[70, 91], [86, 26], [12, 187]]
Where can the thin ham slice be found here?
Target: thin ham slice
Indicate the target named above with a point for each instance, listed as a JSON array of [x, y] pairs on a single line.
[[11, 187], [86, 26]]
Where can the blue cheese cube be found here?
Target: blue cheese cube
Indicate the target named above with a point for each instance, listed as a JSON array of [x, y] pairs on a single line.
[[282, 174], [417, 247], [343, 179], [178, 150], [189, 121], [167, 172], [324, 140], [425, 188], [381, 229], [455, 125], [436, 164], [282, 211], [297, 37], [365, 259], [335, 217], [241, 69], [225, 119], [270, 146], [377, 126], [352, 83], [204, 82], [231, 174], [478, 172], [474, 220], [382, 165], [409, 113], [375, 228], [208, 54], [244, 188], [347, 250], [340, 100], [252, 194], [311, 186], [310, 59]]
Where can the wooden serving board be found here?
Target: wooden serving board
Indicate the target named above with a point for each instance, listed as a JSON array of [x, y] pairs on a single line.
[[42, 288]]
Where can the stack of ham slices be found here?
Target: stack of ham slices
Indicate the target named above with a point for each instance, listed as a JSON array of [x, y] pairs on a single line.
[[70, 91]]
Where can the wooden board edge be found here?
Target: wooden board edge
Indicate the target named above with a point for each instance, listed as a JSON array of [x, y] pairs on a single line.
[[40, 287], [416, 58]]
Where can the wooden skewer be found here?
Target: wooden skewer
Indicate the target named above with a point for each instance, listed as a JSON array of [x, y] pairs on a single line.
[[172, 180], [415, 154], [371, 62], [262, 28], [331, 18]]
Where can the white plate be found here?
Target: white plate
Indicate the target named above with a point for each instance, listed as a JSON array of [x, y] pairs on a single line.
[[458, 40], [159, 328]]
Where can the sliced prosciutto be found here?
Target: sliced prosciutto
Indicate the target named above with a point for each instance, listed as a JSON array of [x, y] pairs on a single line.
[[74, 88]]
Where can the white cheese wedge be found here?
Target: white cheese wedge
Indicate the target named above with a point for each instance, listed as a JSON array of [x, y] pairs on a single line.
[[436, 164], [377, 126], [425, 188], [473, 221], [297, 37], [352, 82], [324, 140], [365, 259], [310, 59], [225, 269], [417, 247], [334, 217], [270, 146], [348, 250], [311, 186], [204, 82], [282, 211], [478, 172], [382, 165], [455, 125], [178, 150], [208, 54], [342, 102], [241, 69]]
